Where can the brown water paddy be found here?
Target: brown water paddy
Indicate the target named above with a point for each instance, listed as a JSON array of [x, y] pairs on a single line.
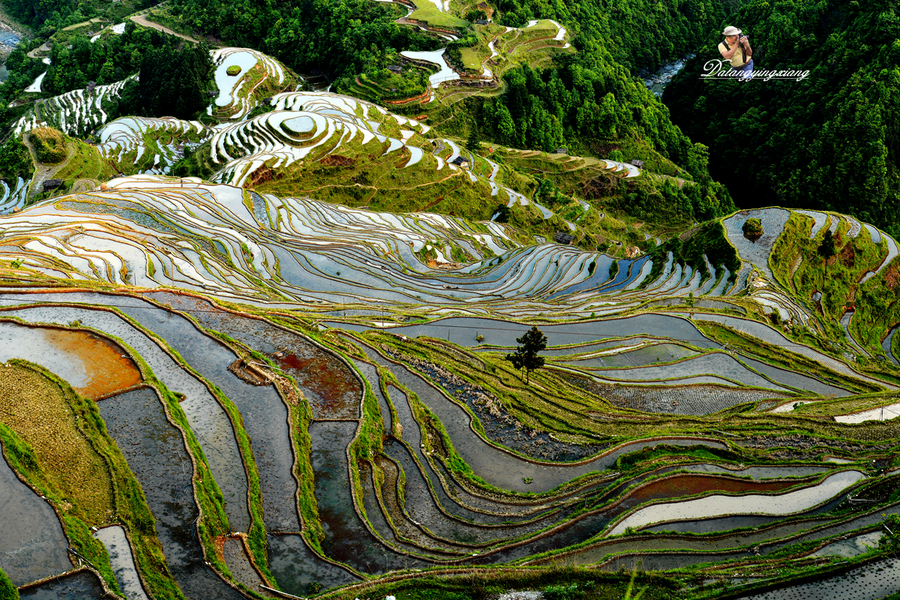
[[93, 365]]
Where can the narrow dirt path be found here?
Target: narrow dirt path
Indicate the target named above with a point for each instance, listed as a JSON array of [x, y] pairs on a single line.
[[142, 20], [44, 172], [44, 49]]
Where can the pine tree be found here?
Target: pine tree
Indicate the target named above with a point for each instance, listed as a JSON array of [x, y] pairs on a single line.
[[526, 356], [827, 249]]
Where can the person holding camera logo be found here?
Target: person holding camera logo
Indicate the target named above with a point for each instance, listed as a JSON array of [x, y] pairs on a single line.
[[736, 48]]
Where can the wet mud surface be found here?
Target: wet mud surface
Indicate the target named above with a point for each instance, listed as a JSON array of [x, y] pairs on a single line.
[[155, 451], [83, 585], [32, 542], [93, 365]]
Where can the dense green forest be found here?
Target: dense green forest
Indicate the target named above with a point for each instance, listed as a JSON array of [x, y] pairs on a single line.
[[336, 37], [641, 35], [47, 16], [174, 81], [175, 69], [830, 141]]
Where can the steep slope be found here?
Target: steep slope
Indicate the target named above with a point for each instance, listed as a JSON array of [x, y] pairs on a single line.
[[826, 142]]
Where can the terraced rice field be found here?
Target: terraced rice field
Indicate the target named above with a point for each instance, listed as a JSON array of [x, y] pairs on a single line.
[[313, 396]]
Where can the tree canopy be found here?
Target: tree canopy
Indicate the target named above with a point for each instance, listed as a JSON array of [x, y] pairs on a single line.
[[526, 357], [829, 141], [827, 248]]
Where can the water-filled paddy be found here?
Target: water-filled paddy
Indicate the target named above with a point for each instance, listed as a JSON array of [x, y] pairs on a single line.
[[296, 567], [93, 365], [407, 525], [452, 497], [886, 346], [757, 252], [872, 581], [156, 453], [239, 565], [82, 585], [462, 330], [32, 542], [771, 336], [716, 505], [423, 508], [346, 537], [721, 364], [501, 468], [206, 417], [645, 355], [375, 514], [674, 399], [263, 412], [794, 379], [122, 561]]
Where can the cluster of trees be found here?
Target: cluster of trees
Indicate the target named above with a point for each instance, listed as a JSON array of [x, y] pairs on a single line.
[[109, 59], [641, 34], [667, 204], [175, 76], [338, 37], [830, 141], [175, 80], [46, 16], [15, 161]]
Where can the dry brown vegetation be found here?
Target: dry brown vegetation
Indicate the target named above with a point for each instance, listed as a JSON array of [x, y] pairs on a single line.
[[49, 145], [35, 408]]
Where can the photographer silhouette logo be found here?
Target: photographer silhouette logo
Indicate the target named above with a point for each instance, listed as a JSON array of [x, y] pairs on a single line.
[[738, 54]]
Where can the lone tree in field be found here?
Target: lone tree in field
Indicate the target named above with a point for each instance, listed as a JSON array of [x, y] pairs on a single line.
[[827, 248], [526, 356]]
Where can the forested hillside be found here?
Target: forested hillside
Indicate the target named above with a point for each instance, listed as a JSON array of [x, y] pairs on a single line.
[[591, 103], [831, 141]]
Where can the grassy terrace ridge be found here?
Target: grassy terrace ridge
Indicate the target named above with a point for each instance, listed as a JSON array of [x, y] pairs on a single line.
[[543, 412], [76, 503], [427, 12]]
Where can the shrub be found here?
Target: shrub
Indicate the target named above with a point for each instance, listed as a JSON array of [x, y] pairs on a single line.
[[233, 70], [562, 592], [752, 229], [49, 145], [7, 590]]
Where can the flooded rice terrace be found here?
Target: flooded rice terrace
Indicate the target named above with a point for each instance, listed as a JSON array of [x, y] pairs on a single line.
[[403, 504], [93, 365]]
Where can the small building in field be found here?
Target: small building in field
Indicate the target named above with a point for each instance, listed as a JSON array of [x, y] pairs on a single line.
[[638, 163], [460, 162]]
